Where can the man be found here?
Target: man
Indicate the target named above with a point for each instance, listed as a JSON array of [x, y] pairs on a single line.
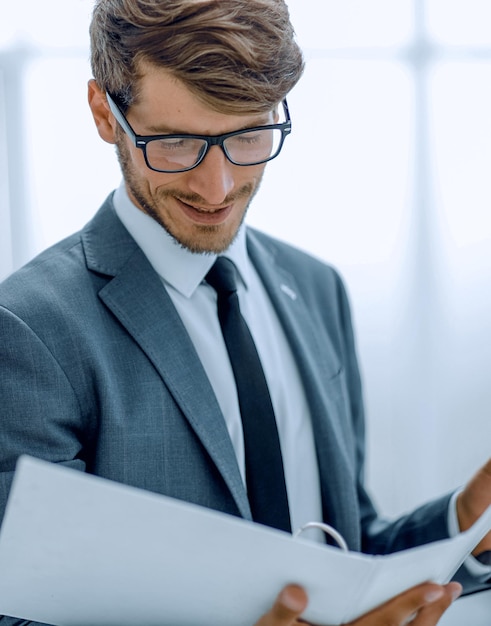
[[112, 355]]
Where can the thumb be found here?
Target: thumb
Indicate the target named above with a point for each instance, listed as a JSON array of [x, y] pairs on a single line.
[[475, 497], [473, 501], [289, 605]]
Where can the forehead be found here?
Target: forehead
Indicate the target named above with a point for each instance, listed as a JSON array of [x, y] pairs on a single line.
[[164, 104]]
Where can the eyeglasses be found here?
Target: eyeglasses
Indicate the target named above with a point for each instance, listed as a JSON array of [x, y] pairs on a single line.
[[183, 152]]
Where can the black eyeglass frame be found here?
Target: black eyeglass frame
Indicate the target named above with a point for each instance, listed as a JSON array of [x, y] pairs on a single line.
[[140, 141]]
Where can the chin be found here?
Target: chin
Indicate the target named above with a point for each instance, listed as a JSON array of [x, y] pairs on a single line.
[[206, 240]]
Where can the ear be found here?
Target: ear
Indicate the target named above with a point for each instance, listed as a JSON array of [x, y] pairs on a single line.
[[103, 118]]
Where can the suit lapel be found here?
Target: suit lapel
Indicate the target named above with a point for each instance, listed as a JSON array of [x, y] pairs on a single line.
[[135, 295], [319, 368]]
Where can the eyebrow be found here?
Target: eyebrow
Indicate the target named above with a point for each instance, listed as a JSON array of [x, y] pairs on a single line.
[[166, 130]]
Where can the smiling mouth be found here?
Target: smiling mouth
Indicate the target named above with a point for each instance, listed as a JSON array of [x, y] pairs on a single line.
[[205, 210], [212, 216]]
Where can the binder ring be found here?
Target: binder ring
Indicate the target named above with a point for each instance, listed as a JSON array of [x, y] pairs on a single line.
[[329, 530]]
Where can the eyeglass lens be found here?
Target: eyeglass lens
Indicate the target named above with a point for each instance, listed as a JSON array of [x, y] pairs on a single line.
[[247, 148]]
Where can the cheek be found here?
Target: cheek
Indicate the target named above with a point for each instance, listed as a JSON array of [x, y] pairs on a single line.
[[248, 176], [257, 175], [164, 182]]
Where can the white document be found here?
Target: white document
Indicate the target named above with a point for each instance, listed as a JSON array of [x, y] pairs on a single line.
[[77, 550]]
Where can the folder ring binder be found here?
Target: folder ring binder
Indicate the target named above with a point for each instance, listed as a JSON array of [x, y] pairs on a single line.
[[329, 530]]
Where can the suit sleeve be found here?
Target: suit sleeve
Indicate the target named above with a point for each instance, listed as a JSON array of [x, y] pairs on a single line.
[[40, 412]]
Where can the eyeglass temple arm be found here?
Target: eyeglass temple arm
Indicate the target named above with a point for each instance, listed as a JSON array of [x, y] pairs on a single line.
[[120, 118]]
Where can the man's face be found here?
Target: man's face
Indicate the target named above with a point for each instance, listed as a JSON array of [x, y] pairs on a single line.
[[203, 207]]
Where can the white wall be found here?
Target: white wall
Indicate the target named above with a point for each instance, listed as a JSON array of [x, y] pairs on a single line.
[[386, 175]]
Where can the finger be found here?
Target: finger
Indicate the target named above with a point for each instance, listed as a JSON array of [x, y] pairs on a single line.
[[400, 609], [474, 500], [430, 614], [289, 605], [476, 496]]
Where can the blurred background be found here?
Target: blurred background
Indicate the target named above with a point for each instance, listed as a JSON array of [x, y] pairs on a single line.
[[387, 176]]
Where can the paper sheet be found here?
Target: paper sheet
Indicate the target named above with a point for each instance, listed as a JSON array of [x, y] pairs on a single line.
[[80, 550]]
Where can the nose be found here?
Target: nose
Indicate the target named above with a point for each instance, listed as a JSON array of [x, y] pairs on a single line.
[[213, 178]]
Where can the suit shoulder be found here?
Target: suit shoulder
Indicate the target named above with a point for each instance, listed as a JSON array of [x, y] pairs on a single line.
[[53, 274], [295, 259]]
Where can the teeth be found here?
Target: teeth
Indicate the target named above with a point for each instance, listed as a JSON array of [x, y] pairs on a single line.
[[197, 208], [201, 209]]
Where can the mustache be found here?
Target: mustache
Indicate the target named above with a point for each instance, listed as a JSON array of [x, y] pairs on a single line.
[[197, 200]]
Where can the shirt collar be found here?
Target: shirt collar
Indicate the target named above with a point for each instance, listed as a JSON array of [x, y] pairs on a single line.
[[177, 266]]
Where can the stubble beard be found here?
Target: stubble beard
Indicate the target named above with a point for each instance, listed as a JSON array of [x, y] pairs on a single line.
[[206, 238]]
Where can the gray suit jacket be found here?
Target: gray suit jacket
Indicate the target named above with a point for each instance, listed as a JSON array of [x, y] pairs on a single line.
[[97, 372]]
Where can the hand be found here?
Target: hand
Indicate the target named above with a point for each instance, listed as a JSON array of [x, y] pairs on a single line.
[[473, 501], [421, 606]]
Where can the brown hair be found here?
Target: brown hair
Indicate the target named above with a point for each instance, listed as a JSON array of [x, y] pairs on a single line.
[[236, 56]]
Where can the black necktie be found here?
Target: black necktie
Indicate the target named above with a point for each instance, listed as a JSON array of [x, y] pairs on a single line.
[[264, 465]]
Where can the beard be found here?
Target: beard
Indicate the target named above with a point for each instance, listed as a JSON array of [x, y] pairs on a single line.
[[210, 239]]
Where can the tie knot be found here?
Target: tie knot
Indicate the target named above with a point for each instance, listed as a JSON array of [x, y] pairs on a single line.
[[222, 276]]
